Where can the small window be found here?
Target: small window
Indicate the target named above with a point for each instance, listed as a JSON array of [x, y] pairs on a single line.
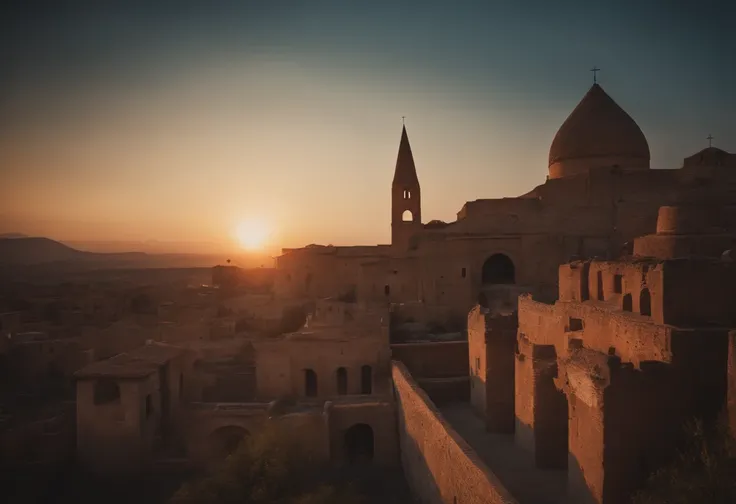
[[310, 383], [575, 324], [106, 391], [645, 302], [386, 290], [477, 365], [599, 278], [627, 303], [342, 381], [617, 284], [366, 380], [463, 272]]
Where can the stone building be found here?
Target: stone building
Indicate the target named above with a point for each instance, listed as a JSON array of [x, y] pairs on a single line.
[[128, 407], [342, 350], [599, 196], [595, 371]]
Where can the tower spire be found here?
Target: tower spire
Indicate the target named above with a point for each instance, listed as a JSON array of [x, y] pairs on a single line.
[[406, 196], [405, 172]]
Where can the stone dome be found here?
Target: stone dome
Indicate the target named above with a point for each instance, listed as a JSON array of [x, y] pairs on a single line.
[[597, 134]]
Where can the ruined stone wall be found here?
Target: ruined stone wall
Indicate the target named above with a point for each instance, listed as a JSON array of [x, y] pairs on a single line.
[[634, 339], [442, 359], [440, 467]]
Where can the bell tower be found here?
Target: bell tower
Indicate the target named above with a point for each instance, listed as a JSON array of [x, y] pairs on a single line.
[[406, 197]]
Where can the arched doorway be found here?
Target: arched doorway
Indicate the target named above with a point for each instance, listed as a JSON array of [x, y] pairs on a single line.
[[342, 381], [645, 302], [310, 383], [498, 269], [366, 380], [359, 443], [225, 440]]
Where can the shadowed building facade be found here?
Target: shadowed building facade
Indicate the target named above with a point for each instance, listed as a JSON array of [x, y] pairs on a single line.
[[599, 196]]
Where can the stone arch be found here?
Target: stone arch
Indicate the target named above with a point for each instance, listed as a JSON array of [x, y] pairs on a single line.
[[366, 379], [310, 383], [407, 216], [498, 269], [645, 302], [627, 303], [359, 443], [225, 440], [342, 381], [106, 391]]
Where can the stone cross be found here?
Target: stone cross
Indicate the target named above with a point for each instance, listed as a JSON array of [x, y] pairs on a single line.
[[710, 140], [595, 70], [402, 120]]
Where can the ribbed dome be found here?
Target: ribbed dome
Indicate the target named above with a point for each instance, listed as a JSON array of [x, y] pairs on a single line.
[[599, 128]]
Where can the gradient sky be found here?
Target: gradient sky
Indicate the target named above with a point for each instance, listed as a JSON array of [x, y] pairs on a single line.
[[176, 121]]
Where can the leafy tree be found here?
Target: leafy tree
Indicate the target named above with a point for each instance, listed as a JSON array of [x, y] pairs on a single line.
[[268, 468]]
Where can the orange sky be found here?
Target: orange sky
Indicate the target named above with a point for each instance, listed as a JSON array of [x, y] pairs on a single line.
[[174, 124]]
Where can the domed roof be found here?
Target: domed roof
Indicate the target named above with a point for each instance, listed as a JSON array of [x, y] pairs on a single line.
[[598, 127]]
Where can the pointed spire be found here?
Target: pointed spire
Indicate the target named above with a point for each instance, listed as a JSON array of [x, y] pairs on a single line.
[[406, 172]]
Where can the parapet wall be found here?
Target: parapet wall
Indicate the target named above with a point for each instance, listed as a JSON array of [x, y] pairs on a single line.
[[439, 465]]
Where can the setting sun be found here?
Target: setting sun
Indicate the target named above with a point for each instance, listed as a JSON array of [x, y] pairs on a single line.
[[252, 234]]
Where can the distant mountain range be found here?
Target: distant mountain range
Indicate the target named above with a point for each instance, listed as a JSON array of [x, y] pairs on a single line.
[[20, 250]]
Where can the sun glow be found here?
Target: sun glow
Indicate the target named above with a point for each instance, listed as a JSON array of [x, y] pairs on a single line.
[[252, 234]]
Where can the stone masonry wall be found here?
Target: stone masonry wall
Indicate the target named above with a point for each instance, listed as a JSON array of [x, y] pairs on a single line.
[[439, 465], [445, 359]]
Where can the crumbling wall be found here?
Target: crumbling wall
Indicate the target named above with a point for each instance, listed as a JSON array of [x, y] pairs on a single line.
[[439, 465]]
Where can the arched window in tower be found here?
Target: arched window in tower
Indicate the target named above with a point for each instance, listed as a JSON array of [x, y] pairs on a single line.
[[498, 269], [407, 216], [407, 194]]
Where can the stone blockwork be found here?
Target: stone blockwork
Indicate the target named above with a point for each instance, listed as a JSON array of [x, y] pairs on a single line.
[[439, 465], [492, 339], [440, 368], [595, 371]]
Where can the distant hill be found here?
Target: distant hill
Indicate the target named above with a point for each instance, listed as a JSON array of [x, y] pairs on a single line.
[[44, 250], [23, 256], [13, 235]]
